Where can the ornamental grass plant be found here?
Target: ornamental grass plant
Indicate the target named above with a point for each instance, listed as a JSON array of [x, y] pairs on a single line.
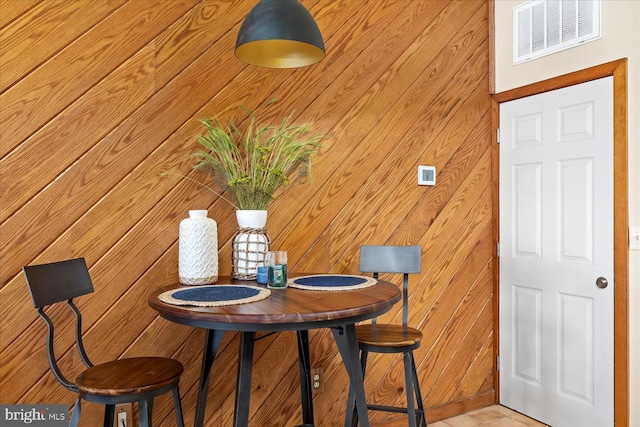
[[256, 160]]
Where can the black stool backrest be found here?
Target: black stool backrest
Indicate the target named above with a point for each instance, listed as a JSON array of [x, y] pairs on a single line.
[[393, 259], [58, 281], [53, 283]]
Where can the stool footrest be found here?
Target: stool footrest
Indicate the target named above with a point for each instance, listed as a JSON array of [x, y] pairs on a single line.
[[387, 408]]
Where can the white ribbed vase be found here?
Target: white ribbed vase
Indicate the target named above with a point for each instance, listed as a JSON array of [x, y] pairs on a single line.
[[250, 244], [198, 249]]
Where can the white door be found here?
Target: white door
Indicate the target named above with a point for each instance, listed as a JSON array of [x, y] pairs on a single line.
[[556, 240]]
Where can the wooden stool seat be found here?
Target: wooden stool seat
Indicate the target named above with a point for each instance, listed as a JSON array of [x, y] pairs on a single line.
[[380, 336], [129, 376]]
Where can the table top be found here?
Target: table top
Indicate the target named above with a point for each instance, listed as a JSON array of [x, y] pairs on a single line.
[[284, 309]]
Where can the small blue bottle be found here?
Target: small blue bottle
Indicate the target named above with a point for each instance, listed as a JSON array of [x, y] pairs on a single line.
[[262, 275]]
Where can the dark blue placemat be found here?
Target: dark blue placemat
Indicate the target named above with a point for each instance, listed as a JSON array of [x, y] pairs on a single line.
[[331, 282], [214, 295]]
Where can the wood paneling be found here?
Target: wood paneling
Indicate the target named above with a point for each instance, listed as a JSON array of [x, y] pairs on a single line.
[[99, 98], [63, 22], [12, 9]]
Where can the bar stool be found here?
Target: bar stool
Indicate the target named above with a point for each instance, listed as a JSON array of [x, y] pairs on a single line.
[[138, 379], [390, 338]]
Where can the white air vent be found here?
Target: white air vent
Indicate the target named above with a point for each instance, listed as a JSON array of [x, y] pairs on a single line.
[[541, 27]]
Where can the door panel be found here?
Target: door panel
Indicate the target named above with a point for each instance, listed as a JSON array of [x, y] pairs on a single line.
[[527, 349], [575, 336], [575, 234], [527, 215], [556, 231]]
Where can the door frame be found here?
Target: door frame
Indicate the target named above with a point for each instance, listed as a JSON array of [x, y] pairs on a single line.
[[617, 69]]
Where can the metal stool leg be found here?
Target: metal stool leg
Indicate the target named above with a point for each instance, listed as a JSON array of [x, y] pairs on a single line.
[[75, 417], [178, 406], [144, 412], [416, 387], [408, 379]]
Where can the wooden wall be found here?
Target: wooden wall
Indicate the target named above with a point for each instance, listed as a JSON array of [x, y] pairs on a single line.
[[99, 97]]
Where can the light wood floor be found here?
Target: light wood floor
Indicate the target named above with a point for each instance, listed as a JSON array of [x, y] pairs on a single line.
[[491, 416]]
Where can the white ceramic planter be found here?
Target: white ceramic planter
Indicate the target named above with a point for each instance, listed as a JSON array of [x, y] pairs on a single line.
[[251, 218], [198, 249]]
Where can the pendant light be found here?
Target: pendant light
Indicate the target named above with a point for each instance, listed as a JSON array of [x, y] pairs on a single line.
[[280, 34]]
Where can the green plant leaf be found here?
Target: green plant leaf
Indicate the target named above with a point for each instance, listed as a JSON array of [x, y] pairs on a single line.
[[256, 160]]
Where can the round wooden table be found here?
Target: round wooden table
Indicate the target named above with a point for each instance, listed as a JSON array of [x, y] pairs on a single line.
[[287, 309]]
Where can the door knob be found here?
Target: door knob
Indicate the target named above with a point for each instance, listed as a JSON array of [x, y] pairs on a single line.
[[602, 283]]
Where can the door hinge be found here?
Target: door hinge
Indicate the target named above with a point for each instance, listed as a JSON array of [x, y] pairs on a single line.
[[497, 363], [498, 135], [497, 249]]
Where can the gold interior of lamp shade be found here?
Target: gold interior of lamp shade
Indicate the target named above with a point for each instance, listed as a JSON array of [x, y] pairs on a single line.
[[279, 34], [279, 53]]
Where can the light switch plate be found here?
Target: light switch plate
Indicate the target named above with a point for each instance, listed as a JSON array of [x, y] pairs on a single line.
[[634, 238], [426, 175]]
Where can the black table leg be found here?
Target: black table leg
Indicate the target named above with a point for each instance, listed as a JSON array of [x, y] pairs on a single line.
[[347, 342], [352, 414], [211, 346], [109, 414], [243, 385], [304, 363]]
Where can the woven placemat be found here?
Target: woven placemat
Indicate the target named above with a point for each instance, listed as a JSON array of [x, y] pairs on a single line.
[[214, 295], [331, 282]]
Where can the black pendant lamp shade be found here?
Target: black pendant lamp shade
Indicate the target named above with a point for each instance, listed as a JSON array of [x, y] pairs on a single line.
[[280, 34]]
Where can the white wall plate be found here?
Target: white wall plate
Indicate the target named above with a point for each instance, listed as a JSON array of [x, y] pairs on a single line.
[[426, 175]]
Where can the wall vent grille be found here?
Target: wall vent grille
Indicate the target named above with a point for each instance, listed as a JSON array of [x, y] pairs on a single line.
[[541, 27]]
